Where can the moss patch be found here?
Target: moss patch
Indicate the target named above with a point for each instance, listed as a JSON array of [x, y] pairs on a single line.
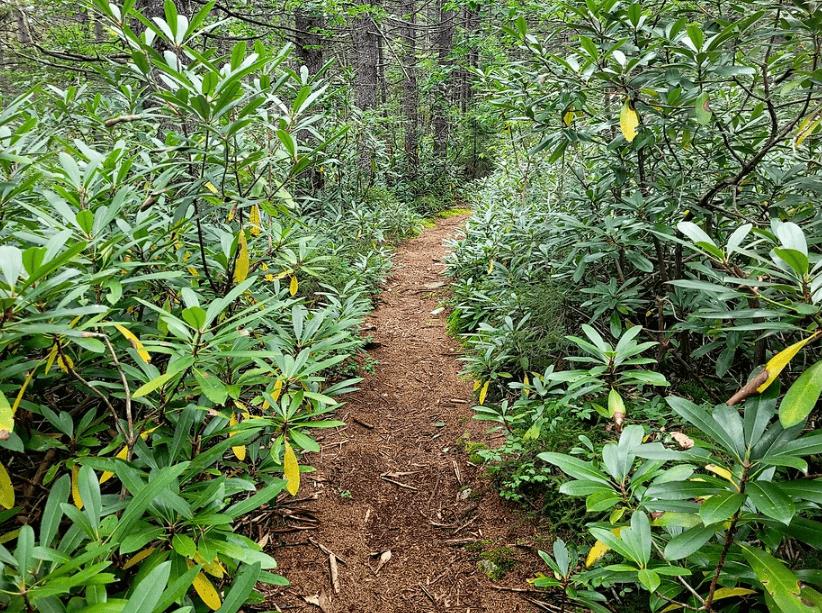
[[455, 212], [496, 562]]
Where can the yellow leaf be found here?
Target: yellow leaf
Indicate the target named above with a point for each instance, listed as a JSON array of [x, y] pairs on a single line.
[[628, 121], [806, 128], [207, 592], [135, 342], [237, 450], [51, 358], [291, 470], [242, 264], [65, 362], [293, 286], [22, 391], [75, 487], [9, 536], [599, 549], [193, 271], [525, 383], [231, 214], [483, 392], [778, 362], [139, 557], [121, 455], [490, 266], [722, 472], [6, 489], [477, 384], [255, 220], [146, 433], [211, 187], [213, 568], [278, 389], [595, 553], [6, 418], [568, 118], [730, 592]]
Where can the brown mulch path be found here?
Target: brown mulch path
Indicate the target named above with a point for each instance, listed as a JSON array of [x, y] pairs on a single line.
[[397, 477]]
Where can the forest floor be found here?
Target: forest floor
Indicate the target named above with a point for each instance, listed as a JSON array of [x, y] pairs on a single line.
[[410, 523]]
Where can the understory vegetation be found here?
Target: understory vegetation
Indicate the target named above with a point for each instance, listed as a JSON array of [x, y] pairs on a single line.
[[199, 200], [638, 291], [188, 245]]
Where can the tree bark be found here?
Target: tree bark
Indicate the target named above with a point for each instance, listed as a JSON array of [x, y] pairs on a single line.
[[23, 34], [410, 92], [308, 39], [443, 44], [365, 40]]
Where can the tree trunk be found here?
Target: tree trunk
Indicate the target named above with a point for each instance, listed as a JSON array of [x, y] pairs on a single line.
[[443, 43], [365, 41], [23, 34], [410, 94], [308, 40]]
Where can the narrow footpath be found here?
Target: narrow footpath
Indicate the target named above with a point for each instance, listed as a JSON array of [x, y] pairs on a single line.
[[396, 518]]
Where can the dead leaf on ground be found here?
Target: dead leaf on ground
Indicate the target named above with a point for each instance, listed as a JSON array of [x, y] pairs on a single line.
[[683, 440], [321, 601], [384, 557]]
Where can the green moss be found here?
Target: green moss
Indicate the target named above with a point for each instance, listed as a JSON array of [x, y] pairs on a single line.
[[497, 562], [455, 212]]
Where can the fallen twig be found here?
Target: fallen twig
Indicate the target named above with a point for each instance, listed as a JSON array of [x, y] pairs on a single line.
[[332, 569], [362, 423], [324, 549]]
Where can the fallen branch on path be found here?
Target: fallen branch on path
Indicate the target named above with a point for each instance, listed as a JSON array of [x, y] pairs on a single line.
[[385, 477], [362, 423], [324, 549]]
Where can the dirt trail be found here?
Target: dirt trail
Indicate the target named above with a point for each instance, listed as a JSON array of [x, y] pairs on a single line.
[[397, 478]]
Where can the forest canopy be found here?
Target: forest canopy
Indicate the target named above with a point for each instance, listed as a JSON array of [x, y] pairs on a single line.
[[199, 206]]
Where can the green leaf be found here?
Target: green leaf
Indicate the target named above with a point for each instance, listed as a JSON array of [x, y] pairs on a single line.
[[770, 500], [135, 508], [702, 109], [574, 467], [703, 420], [211, 386], [153, 384], [52, 513], [177, 589], [796, 260], [649, 579], [147, 594], [688, 542], [801, 397], [184, 545], [720, 507], [241, 588], [778, 580]]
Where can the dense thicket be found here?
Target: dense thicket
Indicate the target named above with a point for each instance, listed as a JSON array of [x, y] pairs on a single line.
[[189, 241], [198, 201], [659, 193]]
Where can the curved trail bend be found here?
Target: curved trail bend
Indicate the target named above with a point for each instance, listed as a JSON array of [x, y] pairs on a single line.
[[397, 478]]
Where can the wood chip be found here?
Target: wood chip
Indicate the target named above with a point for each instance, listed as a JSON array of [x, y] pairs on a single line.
[[362, 423], [320, 601], [332, 569], [385, 556], [324, 549]]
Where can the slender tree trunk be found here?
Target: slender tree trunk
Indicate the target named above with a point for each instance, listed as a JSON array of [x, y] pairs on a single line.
[[308, 40], [365, 40], [410, 93], [443, 43], [23, 34], [310, 53]]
